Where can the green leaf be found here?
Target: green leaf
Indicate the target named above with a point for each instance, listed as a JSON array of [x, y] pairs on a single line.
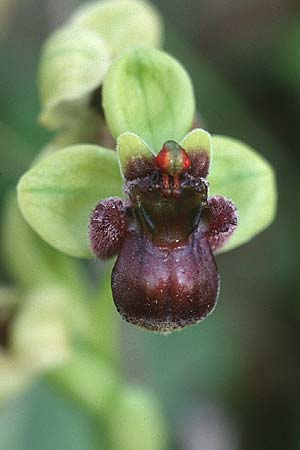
[[198, 140], [73, 64], [242, 175], [149, 93], [130, 147], [123, 24], [58, 194]]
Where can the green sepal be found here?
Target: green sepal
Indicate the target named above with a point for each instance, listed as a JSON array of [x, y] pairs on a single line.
[[242, 175], [149, 93], [57, 195]]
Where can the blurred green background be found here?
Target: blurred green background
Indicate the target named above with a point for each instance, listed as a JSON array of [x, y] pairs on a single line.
[[232, 382]]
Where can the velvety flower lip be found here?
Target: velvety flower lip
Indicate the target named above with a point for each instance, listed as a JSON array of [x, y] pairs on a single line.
[[164, 234]]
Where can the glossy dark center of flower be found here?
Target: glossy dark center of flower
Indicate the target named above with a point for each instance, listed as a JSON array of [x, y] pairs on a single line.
[[170, 221]]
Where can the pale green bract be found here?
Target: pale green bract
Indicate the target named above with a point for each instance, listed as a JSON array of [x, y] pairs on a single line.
[[73, 64], [242, 175], [149, 93], [57, 195]]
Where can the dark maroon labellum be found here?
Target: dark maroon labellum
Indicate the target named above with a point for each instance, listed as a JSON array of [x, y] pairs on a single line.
[[165, 277]]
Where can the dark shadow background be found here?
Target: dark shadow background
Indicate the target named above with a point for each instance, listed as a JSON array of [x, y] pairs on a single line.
[[232, 382]]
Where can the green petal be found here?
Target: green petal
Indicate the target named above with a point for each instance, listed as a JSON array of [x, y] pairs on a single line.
[[242, 175], [198, 140], [130, 147], [123, 24], [73, 64], [58, 194], [149, 93]]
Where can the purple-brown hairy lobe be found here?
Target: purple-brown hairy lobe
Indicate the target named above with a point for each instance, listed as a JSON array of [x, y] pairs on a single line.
[[108, 226], [222, 218], [165, 277]]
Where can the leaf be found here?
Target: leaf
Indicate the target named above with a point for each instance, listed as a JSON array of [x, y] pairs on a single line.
[[242, 175], [123, 24], [149, 93], [131, 147], [73, 64], [58, 194]]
